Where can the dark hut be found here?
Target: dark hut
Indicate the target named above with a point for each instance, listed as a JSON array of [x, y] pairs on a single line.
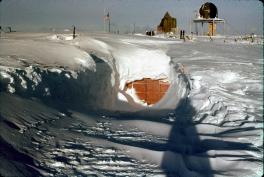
[[167, 23]]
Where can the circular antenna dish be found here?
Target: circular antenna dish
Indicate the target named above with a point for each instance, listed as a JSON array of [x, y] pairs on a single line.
[[208, 10]]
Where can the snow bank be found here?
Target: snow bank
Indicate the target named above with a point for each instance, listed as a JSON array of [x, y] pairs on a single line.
[[89, 72], [46, 54], [129, 62]]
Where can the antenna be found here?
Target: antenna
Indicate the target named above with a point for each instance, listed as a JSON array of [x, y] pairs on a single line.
[[107, 18], [109, 24]]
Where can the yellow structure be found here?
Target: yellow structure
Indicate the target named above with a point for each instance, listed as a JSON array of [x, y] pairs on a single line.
[[211, 29], [167, 24]]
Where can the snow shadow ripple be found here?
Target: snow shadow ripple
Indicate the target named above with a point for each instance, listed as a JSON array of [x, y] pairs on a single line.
[[189, 153], [14, 162]]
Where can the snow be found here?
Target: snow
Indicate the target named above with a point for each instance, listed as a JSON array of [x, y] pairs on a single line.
[[10, 79], [60, 37], [58, 164], [46, 53], [225, 77], [55, 70], [64, 110], [131, 65]]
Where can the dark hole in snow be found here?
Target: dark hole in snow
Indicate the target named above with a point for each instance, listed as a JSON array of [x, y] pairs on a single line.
[[148, 90]]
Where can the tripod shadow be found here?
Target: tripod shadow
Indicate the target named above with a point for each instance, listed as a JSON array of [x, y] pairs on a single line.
[[187, 154], [182, 146]]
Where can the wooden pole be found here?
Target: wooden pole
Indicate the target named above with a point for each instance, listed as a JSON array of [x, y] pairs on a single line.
[[212, 28]]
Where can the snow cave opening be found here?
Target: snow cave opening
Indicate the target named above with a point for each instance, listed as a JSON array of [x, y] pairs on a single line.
[[158, 91]]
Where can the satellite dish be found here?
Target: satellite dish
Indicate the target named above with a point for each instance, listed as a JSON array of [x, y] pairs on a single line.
[[208, 10]]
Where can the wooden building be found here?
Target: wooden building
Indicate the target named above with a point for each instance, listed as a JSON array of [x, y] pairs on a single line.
[[167, 24]]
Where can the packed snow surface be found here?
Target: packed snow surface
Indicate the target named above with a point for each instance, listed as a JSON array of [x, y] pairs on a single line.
[[64, 110]]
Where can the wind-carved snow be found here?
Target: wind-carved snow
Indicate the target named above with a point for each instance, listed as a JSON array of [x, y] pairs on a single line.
[[134, 63], [64, 112], [10, 81], [47, 54]]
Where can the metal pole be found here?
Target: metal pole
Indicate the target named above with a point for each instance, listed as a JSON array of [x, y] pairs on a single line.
[[190, 26], [196, 29], [104, 20], [73, 34], [0, 18], [109, 24], [224, 28], [202, 29]]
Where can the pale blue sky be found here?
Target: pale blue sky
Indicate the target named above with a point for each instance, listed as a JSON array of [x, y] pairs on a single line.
[[241, 15]]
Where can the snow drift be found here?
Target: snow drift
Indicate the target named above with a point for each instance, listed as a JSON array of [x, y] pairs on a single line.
[[64, 110], [92, 76]]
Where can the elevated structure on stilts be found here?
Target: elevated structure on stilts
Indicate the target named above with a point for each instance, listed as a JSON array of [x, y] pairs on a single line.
[[208, 14]]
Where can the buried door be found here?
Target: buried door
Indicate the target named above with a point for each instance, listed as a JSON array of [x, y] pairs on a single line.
[[148, 90]]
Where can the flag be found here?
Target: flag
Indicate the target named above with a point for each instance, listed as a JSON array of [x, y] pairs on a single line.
[[107, 16]]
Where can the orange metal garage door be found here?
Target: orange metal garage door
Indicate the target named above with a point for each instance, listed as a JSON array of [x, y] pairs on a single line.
[[148, 90]]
